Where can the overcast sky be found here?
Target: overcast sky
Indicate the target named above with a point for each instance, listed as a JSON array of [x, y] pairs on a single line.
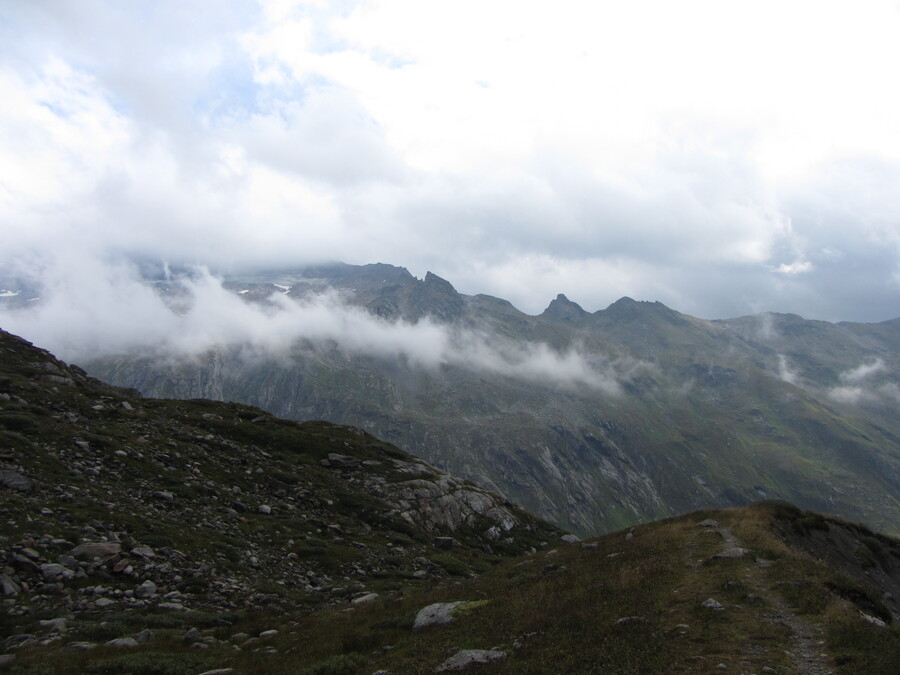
[[724, 158]]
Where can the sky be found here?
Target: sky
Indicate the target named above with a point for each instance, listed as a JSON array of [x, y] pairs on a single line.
[[724, 158]]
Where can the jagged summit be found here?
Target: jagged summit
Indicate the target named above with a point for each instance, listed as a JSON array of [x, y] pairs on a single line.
[[563, 309]]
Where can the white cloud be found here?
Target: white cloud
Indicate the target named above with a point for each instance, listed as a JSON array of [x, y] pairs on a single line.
[[720, 157], [863, 371], [90, 309]]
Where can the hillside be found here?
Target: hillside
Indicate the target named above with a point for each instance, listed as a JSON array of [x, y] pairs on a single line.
[[594, 421], [170, 537]]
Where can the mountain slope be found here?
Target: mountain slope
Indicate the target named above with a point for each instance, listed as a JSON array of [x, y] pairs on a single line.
[[592, 420], [185, 537]]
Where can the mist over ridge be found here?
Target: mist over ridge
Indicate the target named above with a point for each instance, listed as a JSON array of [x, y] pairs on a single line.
[[593, 420]]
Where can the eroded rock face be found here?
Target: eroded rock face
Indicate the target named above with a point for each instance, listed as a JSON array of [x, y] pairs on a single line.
[[441, 501]]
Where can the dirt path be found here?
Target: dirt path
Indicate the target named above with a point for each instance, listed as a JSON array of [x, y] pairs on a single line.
[[807, 639]]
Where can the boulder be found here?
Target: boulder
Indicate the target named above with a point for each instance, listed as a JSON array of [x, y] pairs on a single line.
[[15, 481], [436, 614], [470, 657], [98, 549]]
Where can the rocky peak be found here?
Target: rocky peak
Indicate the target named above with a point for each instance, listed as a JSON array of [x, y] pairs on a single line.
[[563, 309]]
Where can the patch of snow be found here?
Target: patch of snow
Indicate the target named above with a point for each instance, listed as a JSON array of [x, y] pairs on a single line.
[[284, 289], [246, 290], [9, 294]]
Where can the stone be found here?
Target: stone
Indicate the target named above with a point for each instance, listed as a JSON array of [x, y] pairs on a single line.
[[218, 671], [709, 522], [68, 561], [470, 657], [734, 552], [625, 620], [337, 461], [122, 642], [436, 614], [163, 496], [145, 589], [52, 570], [97, 549], [874, 620], [368, 597], [570, 539], [192, 635], [7, 660], [712, 604], [265, 509], [55, 625], [266, 634], [145, 635], [143, 552], [80, 646], [15, 480], [104, 602], [8, 586]]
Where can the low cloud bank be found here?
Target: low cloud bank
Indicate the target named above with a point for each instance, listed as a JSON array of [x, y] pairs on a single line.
[[89, 310], [857, 385]]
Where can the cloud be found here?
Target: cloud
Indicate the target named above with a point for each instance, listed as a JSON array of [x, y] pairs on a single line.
[[598, 150], [863, 371], [857, 387], [109, 310], [785, 373]]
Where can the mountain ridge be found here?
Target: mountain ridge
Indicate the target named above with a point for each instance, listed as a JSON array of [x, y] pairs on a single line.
[[593, 420]]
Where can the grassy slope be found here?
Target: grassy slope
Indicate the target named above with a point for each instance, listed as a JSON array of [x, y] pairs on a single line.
[[559, 612]]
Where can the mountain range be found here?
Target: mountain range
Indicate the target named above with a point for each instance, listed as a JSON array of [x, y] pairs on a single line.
[[593, 421]]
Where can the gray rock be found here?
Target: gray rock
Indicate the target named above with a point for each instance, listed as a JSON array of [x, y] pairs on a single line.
[[470, 657], [104, 602], [68, 561], [266, 634], [874, 620], [15, 481], [7, 660], [96, 549], [51, 570], [55, 625], [570, 539], [145, 635], [368, 597], [436, 614], [218, 671], [709, 522], [337, 461], [146, 589], [265, 509], [122, 642], [143, 552], [625, 620], [735, 552], [712, 604], [163, 496], [80, 646], [192, 635], [8, 586]]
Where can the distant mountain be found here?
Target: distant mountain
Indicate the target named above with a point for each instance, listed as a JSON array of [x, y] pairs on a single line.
[[593, 420], [171, 537]]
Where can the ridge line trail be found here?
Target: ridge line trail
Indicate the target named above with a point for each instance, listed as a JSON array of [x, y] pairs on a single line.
[[807, 639]]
